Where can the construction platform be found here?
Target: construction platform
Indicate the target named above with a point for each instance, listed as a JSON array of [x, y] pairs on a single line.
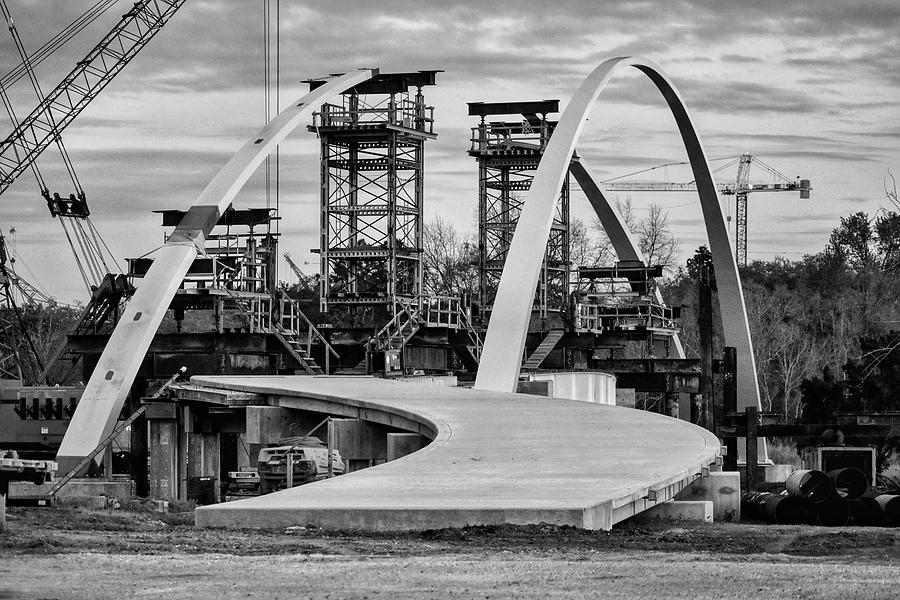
[[493, 458]]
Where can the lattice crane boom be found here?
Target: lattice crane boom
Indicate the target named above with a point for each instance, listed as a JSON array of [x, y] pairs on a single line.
[[60, 106], [739, 188], [297, 271]]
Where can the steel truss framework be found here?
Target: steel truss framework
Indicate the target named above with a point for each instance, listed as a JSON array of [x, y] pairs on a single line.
[[372, 163], [508, 154]]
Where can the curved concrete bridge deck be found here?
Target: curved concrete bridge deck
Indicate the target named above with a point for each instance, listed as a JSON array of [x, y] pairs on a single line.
[[495, 458]]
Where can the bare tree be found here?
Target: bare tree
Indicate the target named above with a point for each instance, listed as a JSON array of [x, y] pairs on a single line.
[[658, 245], [654, 236], [891, 191], [585, 250], [449, 260]]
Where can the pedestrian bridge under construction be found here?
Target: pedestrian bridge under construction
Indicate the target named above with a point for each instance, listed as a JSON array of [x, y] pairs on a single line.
[[494, 457]]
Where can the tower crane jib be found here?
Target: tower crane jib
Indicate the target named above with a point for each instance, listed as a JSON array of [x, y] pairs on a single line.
[[739, 188]]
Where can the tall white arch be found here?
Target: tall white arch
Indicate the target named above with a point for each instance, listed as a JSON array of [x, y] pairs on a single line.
[[111, 379], [500, 358]]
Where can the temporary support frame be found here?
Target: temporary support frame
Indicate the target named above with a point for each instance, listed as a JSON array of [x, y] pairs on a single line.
[[372, 165], [508, 153]]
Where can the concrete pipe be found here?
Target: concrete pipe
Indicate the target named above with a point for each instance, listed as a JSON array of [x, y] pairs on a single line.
[[849, 483], [775, 508], [866, 512], [833, 512], [812, 485], [890, 507]]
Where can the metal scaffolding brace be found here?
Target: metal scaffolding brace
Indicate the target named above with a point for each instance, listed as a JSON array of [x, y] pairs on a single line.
[[372, 166], [508, 154]]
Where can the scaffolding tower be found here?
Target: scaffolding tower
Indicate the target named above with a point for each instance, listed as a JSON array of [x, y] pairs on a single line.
[[372, 165], [508, 154]]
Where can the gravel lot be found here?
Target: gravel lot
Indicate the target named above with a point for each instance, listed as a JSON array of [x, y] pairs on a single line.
[[72, 553]]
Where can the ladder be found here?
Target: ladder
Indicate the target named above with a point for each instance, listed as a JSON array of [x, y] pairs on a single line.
[[544, 348], [297, 351]]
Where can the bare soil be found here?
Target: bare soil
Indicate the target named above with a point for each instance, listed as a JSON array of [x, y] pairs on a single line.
[[79, 553]]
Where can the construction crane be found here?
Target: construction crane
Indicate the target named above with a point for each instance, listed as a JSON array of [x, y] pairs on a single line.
[[15, 294], [43, 126], [297, 271], [740, 188]]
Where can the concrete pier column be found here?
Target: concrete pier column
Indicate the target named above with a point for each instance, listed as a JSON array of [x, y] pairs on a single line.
[[163, 451], [4, 492], [722, 488], [360, 443], [401, 444]]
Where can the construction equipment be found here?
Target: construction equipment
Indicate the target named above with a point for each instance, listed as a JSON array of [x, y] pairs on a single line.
[[297, 461], [739, 188]]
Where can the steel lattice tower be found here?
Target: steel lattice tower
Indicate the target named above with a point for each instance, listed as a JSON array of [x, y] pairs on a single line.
[[372, 165], [508, 154]]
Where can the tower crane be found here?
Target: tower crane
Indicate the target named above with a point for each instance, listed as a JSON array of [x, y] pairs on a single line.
[[740, 188]]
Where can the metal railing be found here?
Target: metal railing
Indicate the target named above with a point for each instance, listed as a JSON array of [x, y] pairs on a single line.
[[596, 317], [509, 136], [404, 113], [292, 320]]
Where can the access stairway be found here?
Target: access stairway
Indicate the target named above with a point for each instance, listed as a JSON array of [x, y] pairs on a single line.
[[544, 349], [435, 311]]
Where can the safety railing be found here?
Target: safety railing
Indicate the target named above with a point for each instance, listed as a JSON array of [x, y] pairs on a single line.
[[509, 136], [403, 113], [599, 318], [290, 319]]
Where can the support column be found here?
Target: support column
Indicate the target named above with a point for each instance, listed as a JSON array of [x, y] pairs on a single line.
[[163, 451], [4, 492], [361, 444], [401, 444], [139, 453]]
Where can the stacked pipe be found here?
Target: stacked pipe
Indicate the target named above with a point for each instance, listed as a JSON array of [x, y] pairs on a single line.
[[835, 498]]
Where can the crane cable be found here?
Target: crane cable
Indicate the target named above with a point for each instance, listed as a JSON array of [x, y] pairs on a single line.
[[58, 41], [40, 94], [89, 242], [271, 39]]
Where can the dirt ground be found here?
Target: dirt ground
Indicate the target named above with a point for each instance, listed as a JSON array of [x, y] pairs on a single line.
[[78, 553]]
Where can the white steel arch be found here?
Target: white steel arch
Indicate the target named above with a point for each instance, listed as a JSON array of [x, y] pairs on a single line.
[[500, 358], [111, 379]]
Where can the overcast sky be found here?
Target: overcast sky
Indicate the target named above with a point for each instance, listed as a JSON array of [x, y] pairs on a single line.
[[811, 87]]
